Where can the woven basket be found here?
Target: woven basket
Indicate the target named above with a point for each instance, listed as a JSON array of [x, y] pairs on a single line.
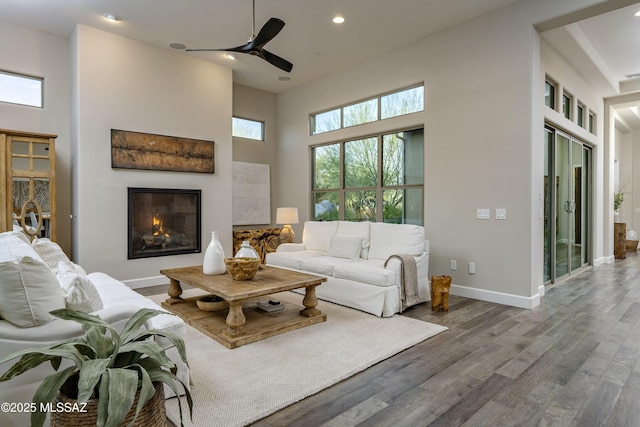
[[151, 415]]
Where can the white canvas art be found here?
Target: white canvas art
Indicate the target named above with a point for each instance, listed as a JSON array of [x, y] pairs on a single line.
[[251, 193]]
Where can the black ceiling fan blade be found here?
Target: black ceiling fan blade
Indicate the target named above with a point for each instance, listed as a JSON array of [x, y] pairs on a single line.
[[276, 61], [268, 32], [244, 48]]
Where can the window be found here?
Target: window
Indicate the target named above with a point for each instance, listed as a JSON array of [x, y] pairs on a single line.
[[549, 94], [405, 101], [580, 118], [20, 89], [377, 178], [592, 122], [245, 128], [566, 106]]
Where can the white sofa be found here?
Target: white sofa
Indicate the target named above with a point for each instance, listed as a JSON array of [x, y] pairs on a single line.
[[352, 256], [30, 288]]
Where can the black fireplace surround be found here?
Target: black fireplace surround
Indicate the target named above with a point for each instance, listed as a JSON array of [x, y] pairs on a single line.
[[163, 221]]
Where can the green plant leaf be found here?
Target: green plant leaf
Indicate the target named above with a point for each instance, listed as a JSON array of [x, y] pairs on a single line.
[[147, 390], [175, 340], [117, 392], [137, 321], [101, 343], [151, 349], [171, 381], [34, 357], [46, 392], [89, 376]]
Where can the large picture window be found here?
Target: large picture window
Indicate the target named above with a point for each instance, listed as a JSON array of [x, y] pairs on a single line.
[[377, 178]]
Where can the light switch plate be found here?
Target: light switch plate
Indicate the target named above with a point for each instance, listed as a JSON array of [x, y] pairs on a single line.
[[483, 214], [501, 214]]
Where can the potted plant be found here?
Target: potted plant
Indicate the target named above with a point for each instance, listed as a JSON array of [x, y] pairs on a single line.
[[110, 369]]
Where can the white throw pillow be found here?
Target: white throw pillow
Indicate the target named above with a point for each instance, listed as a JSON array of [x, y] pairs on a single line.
[[395, 239], [79, 291], [28, 288], [317, 234], [345, 247], [50, 252], [360, 229]]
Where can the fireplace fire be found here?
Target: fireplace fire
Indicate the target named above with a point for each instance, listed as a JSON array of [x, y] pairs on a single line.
[[163, 222]]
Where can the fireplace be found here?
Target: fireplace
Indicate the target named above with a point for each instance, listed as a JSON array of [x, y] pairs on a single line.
[[163, 222]]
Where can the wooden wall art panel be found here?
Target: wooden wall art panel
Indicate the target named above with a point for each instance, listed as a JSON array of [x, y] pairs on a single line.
[[136, 150]]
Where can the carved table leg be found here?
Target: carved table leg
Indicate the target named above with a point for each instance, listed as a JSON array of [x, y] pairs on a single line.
[[310, 302], [235, 319], [175, 290]]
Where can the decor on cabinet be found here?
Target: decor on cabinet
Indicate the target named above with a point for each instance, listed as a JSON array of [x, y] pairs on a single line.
[[214, 257], [27, 181], [287, 216], [137, 150], [251, 193]]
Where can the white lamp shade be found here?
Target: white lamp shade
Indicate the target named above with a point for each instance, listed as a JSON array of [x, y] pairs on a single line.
[[287, 216]]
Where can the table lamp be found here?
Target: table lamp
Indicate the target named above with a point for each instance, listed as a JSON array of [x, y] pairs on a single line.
[[287, 216]]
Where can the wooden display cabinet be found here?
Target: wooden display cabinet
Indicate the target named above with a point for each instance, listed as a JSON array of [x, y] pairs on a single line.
[[28, 182]]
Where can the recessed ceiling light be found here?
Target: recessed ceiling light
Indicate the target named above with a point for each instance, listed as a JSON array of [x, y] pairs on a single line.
[[111, 17], [230, 56], [175, 45], [637, 13], [338, 20]]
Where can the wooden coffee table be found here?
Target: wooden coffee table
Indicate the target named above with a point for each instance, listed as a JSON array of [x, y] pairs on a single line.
[[243, 322]]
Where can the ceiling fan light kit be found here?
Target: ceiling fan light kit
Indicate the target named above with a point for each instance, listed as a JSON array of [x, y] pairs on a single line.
[[255, 44]]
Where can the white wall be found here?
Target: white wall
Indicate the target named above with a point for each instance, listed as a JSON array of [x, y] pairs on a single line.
[[483, 143], [255, 104], [123, 84], [34, 53]]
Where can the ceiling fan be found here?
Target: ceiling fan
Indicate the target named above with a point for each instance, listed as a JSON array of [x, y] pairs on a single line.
[[255, 44]]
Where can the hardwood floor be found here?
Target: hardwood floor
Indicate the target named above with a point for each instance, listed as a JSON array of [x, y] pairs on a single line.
[[572, 361]]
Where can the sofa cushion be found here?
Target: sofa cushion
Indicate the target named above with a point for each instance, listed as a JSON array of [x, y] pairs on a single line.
[[345, 247], [28, 288], [323, 264], [79, 291], [366, 271], [359, 229], [317, 234], [291, 259], [18, 233], [395, 239], [50, 252]]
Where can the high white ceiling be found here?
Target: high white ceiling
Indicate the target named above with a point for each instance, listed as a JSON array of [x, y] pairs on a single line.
[[312, 42]]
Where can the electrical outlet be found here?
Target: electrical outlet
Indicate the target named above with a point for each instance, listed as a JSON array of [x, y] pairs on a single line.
[[454, 264]]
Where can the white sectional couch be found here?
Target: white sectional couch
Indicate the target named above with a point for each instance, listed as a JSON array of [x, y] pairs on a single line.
[[352, 256], [31, 286]]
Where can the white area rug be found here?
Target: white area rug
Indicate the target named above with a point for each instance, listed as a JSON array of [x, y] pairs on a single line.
[[240, 386]]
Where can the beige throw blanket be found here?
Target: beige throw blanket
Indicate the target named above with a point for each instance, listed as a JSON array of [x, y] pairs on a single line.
[[408, 280]]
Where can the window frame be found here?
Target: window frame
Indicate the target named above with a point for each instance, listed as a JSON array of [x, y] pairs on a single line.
[[26, 77], [262, 128], [379, 188], [378, 98]]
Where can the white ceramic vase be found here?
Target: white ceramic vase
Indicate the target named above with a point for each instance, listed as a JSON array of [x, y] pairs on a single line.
[[214, 257], [246, 251]]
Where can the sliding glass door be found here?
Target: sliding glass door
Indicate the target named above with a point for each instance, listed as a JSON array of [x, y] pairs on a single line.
[[567, 202]]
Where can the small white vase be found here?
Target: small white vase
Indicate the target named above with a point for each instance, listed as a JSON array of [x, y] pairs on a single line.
[[246, 251], [214, 257]]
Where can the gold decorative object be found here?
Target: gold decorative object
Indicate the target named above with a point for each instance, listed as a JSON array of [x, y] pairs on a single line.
[[440, 286], [211, 303], [242, 268]]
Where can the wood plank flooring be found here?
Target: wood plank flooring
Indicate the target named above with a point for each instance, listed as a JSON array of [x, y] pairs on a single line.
[[572, 361]]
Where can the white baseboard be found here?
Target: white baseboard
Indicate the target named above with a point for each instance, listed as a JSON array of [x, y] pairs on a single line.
[[604, 260], [498, 297], [145, 282]]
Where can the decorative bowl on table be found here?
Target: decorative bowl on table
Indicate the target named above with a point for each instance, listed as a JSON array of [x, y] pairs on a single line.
[[242, 268], [211, 303]]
